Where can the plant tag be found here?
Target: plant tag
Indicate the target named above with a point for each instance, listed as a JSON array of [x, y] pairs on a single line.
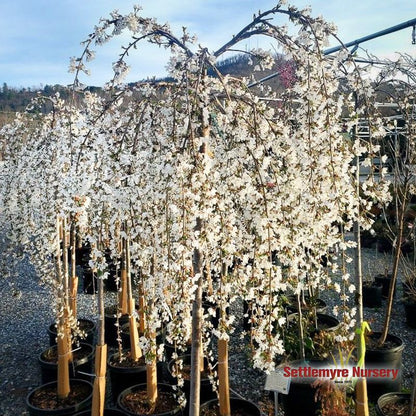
[[276, 381]]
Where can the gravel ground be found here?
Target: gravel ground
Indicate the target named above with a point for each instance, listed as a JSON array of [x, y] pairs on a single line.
[[26, 311]]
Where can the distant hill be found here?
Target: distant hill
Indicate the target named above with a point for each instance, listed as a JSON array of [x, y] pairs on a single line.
[[14, 100]]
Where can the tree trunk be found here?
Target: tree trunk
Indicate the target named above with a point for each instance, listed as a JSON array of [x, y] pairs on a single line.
[[224, 388], [74, 278], [361, 403], [98, 396], [395, 271], [195, 387], [63, 385]]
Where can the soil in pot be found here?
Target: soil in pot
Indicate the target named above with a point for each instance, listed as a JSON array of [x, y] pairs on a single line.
[[85, 325], [125, 373], [372, 295], [133, 401], [43, 401], [239, 407], [388, 356], [393, 404], [83, 356]]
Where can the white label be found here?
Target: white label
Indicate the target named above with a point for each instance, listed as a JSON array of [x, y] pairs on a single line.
[[276, 381]]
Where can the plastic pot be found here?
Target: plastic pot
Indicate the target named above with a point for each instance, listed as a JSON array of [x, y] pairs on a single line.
[[385, 357], [82, 363], [176, 410], [410, 311], [85, 325], [83, 401], [110, 324], [300, 399], [238, 406], [372, 295], [206, 392], [392, 399], [123, 376], [385, 280], [107, 412]]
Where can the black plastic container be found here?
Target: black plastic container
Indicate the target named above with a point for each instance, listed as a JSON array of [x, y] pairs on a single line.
[[373, 295], [83, 403], [206, 392], [139, 387], [107, 412], [410, 311], [392, 398], [388, 358], [80, 368], [110, 324], [122, 377], [85, 325], [238, 406], [385, 280]]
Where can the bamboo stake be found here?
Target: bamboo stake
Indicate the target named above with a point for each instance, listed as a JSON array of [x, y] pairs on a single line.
[[142, 319], [98, 395], [63, 385], [361, 403], [151, 374], [123, 302], [135, 350], [74, 277], [63, 388], [66, 293], [224, 388]]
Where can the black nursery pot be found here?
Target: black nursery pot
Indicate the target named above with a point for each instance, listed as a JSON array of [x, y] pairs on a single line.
[[300, 399], [388, 357], [82, 363], [89, 281], [110, 324], [177, 410], [384, 280], [372, 295], [410, 311], [122, 377], [238, 406], [85, 325], [83, 401], [388, 399], [206, 392], [107, 412]]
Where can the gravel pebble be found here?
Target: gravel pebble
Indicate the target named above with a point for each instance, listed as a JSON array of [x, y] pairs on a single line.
[[26, 311]]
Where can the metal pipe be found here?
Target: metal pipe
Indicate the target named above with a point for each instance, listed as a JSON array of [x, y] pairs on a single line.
[[387, 31], [355, 43]]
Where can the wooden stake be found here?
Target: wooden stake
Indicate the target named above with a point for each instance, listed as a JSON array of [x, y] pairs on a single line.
[[63, 365], [136, 352], [124, 292], [151, 379], [361, 401], [224, 388], [98, 395]]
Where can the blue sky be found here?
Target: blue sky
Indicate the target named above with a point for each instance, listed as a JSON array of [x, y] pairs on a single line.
[[37, 38]]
